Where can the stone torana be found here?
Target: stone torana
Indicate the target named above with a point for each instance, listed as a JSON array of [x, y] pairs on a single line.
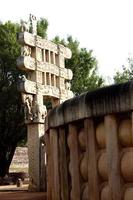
[[46, 80], [46, 75]]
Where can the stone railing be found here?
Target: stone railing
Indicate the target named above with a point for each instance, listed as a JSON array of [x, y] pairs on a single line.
[[89, 143]]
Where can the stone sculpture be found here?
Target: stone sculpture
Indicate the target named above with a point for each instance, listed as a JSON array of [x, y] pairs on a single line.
[[24, 26], [25, 51], [28, 104], [68, 85], [33, 21]]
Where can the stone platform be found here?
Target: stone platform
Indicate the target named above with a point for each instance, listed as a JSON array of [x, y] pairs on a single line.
[[20, 160]]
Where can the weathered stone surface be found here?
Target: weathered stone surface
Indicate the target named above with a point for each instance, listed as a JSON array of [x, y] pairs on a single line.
[[128, 194], [85, 193], [36, 41], [100, 123], [84, 167], [102, 166], [125, 133], [20, 158], [127, 166], [101, 135], [111, 99], [82, 139], [105, 193]]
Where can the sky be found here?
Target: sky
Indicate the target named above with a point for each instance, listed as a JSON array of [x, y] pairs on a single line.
[[104, 26]]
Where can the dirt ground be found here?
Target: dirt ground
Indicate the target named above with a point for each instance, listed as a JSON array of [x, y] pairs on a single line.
[[22, 195], [14, 193]]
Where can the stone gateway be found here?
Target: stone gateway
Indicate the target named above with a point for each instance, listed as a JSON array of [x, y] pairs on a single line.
[[46, 79]]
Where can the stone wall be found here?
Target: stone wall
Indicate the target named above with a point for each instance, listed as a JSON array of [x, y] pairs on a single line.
[[20, 160], [89, 143]]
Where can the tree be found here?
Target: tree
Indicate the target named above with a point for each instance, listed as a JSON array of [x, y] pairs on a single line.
[[12, 127], [83, 65], [126, 74], [11, 121], [42, 26]]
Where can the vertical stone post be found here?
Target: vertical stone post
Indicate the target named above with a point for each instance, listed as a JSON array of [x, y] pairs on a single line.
[[93, 184], [54, 59], [44, 57], [74, 162], [54, 81], [35, 131], [45, 80], [50, 79], [113, 159]]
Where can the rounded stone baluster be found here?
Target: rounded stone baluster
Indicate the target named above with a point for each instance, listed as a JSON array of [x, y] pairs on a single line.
[[101, 135], [85, 192], [84, 167], [102, 166], [105, 193], [82, 139], [125, 133], [128, 194], [127, 166]]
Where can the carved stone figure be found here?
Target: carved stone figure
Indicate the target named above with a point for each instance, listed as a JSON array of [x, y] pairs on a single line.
[[23, 78], [25, 51], [28, 103], [25, 26], [43, 112], [33, 22], [39, 111], [68, 85]]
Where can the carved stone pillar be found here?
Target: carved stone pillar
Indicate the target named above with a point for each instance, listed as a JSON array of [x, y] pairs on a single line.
[[54, 81], [35, 131], [50, 79], [44, 57], [49, 56], [45, 80], [54, 62]]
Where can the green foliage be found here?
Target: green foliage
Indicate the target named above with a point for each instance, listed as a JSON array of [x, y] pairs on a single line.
[[126, 74], [42, 26], [12, 128], [83, 65]]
